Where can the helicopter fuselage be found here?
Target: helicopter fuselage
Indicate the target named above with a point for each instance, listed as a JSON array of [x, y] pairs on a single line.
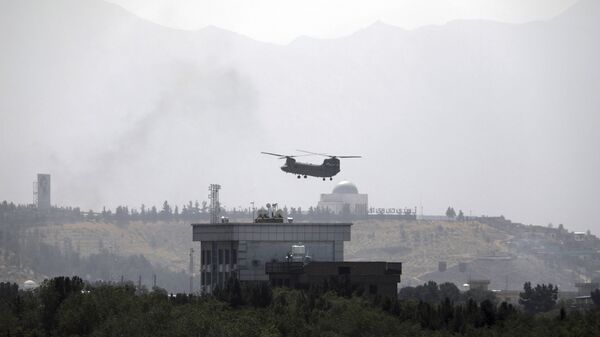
[[328, 169]]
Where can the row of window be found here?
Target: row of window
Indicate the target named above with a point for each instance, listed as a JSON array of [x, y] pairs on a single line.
[[225, 256], [222, 277]]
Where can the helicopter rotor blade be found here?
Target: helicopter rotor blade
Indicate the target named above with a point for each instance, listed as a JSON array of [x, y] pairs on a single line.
[[328, 155], [275, 154], [315, 153], [282, 156]]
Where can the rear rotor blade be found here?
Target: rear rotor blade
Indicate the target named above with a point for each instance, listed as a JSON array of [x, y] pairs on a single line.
[[328, 155]]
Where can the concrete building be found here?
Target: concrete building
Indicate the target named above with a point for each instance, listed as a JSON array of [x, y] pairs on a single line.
[[479, 284], [345, 199], [374, 278], [43, 191], [241, 250], [586, 288]]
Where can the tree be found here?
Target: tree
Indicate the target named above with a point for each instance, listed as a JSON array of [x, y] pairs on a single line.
[[53, 292], [450, 212], [542, 298], [166, 210], [461, 216], [596, 298], [450, 291]]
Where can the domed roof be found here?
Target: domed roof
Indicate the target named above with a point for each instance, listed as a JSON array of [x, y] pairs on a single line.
[[29, 284], [345, 187]]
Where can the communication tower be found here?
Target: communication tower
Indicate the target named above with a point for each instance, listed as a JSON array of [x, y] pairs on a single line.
[[215, 206]]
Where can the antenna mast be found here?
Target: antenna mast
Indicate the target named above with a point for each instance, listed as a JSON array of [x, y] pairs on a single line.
[[215, 207]]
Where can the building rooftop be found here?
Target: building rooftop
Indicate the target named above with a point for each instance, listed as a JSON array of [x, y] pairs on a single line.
[[270, 231]]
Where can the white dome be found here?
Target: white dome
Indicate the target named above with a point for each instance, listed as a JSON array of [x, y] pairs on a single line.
[[345, 187], [29, 284]]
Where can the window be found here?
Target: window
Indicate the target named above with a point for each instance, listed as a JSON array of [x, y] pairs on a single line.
[[234, 256], [227, 256], [203, 257], [220, 256], [372, 289], [343, 270], [208, 257]]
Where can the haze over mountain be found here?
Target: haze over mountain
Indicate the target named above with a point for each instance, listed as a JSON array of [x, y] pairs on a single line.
[[489, 117]]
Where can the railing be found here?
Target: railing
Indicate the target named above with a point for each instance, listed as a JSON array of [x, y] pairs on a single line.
[[284, 267]]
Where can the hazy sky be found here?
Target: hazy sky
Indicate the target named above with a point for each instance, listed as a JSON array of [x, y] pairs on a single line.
[[281, 21], [486, 117]]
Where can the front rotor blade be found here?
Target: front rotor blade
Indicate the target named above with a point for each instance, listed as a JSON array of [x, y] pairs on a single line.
[[318, 154], [274, 154]]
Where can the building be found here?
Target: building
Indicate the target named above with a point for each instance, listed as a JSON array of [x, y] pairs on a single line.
[[479, 284], [374, 278], [586, 288], [345, 199], [241, 250], [509, 296], [43, 191]]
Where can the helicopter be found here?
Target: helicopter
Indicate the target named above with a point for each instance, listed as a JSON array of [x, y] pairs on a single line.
[[329, 168]]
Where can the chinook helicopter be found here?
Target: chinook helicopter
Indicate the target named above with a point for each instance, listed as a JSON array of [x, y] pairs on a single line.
[[329, 168]]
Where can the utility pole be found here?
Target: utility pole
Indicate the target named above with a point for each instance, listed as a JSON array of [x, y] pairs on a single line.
[[191, 270]]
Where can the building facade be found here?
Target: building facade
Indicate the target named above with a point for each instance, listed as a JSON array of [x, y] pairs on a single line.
[[241, 250], [345, 199], [373, 278]]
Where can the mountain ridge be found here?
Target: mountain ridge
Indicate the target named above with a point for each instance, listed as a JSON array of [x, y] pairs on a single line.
[[480, 116]]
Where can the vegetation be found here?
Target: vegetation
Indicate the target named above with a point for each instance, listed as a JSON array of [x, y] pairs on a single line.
[[542, 298], [451, 213], [66, 306]]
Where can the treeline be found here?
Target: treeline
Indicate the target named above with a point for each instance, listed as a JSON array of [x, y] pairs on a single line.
[[431, 292], [30, 215], [70, 307], [28, 251]]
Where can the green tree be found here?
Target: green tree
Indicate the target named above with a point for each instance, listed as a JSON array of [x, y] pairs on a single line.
[[53, 293], [542, 298], [450, 291], [450, 212], [166, 210], [596, 298]]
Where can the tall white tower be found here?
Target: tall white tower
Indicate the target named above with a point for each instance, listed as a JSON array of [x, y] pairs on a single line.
[[43, 191]]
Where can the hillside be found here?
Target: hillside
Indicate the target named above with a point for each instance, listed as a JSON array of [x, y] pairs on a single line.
[[494, 252]]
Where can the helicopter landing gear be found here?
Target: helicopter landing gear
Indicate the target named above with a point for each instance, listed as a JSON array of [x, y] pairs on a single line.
[[305, 176], [298, 177]]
